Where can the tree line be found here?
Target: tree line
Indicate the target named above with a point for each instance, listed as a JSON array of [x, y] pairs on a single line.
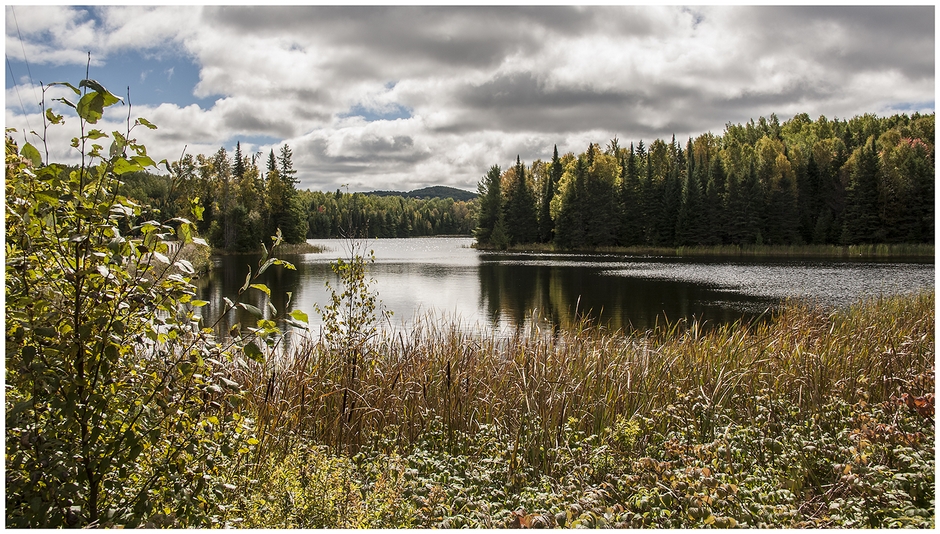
[[242, 200], [868, 179], [245, 202], [342, 214]]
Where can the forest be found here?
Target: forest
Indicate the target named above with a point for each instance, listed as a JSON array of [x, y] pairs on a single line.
[[867, 179], [243, 203], [841, 182]]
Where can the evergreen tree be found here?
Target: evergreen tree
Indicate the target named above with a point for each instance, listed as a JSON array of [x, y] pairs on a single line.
[[650, 193], [735, 222], [690, 219], [753, 198], [711, 222], [861, 223], [715, 209], [286, 167], [546, 225], [810, 204], [669, 203], [238, 169], [919, 167], [272, 162], [520, 211], [491, 205], [631, 216]]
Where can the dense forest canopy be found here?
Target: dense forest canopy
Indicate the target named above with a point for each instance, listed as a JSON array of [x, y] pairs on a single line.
[[868, 179], [244, 205], [862, 180]]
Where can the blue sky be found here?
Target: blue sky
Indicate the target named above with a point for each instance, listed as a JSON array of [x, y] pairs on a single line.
[[400, 98]]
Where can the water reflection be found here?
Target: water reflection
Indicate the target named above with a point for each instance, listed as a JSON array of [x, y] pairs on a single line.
[[563, 293], [447, 278]]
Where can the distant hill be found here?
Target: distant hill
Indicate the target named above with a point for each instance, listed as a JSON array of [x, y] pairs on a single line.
[[439, 191]]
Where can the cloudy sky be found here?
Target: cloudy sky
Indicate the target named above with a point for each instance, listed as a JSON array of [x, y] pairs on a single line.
[[402, 98]]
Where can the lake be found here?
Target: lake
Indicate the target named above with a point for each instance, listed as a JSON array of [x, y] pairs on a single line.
[[446, 278]]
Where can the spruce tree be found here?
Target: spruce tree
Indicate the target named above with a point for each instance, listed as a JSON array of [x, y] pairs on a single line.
[[286, 167], [491, 205], [521, 219], [238, 169]]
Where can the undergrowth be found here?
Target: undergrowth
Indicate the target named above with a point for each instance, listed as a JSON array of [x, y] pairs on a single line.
[[815, 419]]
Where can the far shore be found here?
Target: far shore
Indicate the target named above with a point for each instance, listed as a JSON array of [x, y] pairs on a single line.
[[873, 251]]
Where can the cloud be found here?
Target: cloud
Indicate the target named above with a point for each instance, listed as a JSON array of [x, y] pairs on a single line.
[[401, 97]]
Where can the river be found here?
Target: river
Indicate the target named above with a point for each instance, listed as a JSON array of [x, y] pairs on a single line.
[[446, 279]]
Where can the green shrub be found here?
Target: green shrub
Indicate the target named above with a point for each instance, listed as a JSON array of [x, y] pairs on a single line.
[[118, 408]]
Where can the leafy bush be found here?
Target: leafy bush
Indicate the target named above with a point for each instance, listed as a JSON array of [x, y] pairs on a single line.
[[118, 409]]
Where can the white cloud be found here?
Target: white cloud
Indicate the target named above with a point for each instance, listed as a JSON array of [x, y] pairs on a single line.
[[484, 84]]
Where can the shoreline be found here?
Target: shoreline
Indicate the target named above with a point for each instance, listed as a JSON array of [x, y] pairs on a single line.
[[875, 251]]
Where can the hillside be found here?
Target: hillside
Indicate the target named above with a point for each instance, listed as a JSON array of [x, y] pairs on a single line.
[[439, 191]]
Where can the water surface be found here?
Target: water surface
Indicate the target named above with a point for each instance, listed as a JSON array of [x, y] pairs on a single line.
[[445, 277]]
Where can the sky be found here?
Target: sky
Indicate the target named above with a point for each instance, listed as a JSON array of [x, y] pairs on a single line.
[[398, 98]]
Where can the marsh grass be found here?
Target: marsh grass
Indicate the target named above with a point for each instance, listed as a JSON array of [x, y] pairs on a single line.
[[795, 421], [533, 384]]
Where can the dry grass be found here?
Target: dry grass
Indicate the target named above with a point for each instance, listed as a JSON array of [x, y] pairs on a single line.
[[533, 384]]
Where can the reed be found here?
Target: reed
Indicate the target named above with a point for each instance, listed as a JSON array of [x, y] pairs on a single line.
[[535, 386]]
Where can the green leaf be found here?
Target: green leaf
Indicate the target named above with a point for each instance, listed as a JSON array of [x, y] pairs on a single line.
[[52, 117], [254, 353], [262, 287], [91, 107], [184, 233], [95, 134], [144, 161], [300, 316], [122, 166], [198, 303], [29, 152], [98, 88], [144, 122], [247, 281], [19, 408]]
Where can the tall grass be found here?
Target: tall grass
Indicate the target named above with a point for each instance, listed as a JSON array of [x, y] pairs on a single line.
[[535, 386]]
